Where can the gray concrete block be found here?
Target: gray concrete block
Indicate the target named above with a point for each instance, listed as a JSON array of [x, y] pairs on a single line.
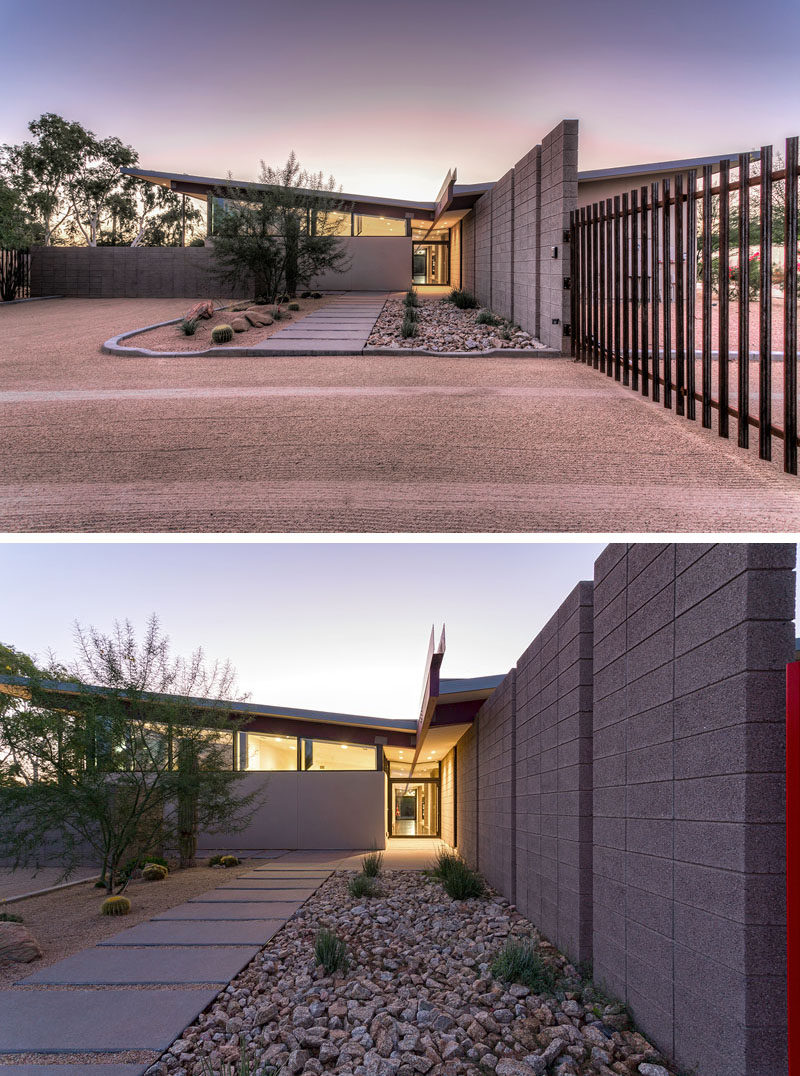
[[202, 933], [233, 909], [91, 1021], [132, 967]]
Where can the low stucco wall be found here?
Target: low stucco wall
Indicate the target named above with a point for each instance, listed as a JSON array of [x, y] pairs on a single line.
[[377, 263], [342, 809]]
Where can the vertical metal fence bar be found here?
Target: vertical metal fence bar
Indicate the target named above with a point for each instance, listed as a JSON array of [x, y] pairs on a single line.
[[609, 286], [635, 290], [645, 253], [656, 393], [744, 301], [617, 289], [691, 288], [680, 357], [790, 311], [626, 336], [765, 315], [707, 181], [601, 325], [573, 291], [722, 299], [595, 289], [584, 298], [666, 295]]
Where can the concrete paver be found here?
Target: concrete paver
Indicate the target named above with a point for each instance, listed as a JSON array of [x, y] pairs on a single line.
[[203, 932], [92, 1021], [92, 442], [74, 1070], [263, 894], [345, 327], [131, 967], [229, 909]]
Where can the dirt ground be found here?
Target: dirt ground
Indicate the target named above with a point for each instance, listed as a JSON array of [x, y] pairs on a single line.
[[69, 920], [94, 442], [170, 337]]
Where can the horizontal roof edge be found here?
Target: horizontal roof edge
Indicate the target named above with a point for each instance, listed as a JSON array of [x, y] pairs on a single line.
[[659, 166]]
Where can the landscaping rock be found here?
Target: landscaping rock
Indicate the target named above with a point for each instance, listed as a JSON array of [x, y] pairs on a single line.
[[653, 1070], [204, 309], [18, 944], [240, 325], [443, 328], [258, 317]]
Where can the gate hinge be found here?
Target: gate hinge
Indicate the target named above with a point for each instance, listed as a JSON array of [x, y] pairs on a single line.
[[567, 283]]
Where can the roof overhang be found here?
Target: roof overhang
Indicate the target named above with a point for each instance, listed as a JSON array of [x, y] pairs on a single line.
[[629, 171]]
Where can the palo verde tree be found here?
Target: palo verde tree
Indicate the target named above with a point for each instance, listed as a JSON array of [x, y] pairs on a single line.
[[132, 759], [280, 233]]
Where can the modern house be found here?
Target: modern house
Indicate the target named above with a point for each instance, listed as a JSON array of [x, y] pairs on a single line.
[[623, 785]]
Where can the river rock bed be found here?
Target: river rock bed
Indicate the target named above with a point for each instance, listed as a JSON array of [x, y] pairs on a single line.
[[418, 998], [444, 327]]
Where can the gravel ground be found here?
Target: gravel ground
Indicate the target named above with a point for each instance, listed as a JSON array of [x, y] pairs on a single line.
[[93, 442], [170, 338], [68, 921], [418, 997], [442, 326]]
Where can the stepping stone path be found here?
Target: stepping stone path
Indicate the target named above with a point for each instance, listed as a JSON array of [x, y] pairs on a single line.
[[340, 328], [208, 939]]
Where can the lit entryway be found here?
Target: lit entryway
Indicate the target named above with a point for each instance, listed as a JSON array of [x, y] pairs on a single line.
[[414, 808]]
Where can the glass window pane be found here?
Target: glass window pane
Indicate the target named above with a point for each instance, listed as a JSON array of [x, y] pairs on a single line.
[[270, 752], [323, 755], [332, 223], [414, 809], [378, 225]]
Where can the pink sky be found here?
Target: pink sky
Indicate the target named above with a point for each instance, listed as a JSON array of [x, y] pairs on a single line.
[[388, 97]]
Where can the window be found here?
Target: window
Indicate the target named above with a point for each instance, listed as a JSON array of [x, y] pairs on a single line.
[[324, 755], [331, 223], [262, 752], [421, 770], [378, 225]]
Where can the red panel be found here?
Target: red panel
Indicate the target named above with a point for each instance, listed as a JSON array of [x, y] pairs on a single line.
[[793, 862]]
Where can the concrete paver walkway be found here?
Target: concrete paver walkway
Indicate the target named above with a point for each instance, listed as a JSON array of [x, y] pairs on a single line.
[[340, 328]]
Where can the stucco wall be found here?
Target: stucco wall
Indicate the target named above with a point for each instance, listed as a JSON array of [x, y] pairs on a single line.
[[378, 263], [647, 820], [312, 810]]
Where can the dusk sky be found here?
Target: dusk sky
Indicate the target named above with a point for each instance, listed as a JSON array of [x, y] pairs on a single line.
[[342, 627], [387, 97]]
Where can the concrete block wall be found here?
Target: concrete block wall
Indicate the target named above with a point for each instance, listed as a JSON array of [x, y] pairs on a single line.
[[448, 792], [496, 815], [554, 777], [509, 238], [691, 644], [646, 825]]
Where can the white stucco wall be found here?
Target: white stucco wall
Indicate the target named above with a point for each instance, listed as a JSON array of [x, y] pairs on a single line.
[[378, 263], [333, 809]]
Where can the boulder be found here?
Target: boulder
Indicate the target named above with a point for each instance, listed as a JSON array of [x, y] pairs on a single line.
[[204, 309], [240, 325], [18, 944], [258, 317]]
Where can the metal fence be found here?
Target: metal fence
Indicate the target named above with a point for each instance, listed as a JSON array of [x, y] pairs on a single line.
[[15, 274], [656, 273]]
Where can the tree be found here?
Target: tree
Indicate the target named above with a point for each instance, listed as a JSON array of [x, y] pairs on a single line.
[[281, 233], [142, 742], [15, 226], [93, 190], [42, 170]]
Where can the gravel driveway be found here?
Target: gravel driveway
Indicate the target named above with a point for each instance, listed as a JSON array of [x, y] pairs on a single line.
[[91, 442]]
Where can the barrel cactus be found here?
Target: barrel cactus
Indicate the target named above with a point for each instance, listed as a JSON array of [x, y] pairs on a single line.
[[154, 872], [222, 334], [117, 905], [229, 861]]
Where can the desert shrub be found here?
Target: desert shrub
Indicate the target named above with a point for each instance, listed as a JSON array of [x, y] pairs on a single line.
[[222, 334], [117, 905], [411, 298], [277, 313], [139, 864], [215, 861], [188, 326], [462, 883], [409, 327], [242, 1067], [362, 886], [330, 951], [197, 242], [284, 298], [316, 294], [443, 863], [261, 300], [294, 306], [154, 872], [9, 917], [305, 294], [372, 864], [486, 317], [462, 298], [521, 962]]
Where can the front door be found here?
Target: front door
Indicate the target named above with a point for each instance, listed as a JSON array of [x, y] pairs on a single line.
[[413, 808], [430, 263]]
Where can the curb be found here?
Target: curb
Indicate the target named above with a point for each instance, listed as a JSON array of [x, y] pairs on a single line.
[[41, 892], [30, 299]]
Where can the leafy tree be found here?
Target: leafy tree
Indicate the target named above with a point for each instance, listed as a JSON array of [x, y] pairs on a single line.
[[119, 764], [280, 233], [15, 225], [93, 190], [42, 170]]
